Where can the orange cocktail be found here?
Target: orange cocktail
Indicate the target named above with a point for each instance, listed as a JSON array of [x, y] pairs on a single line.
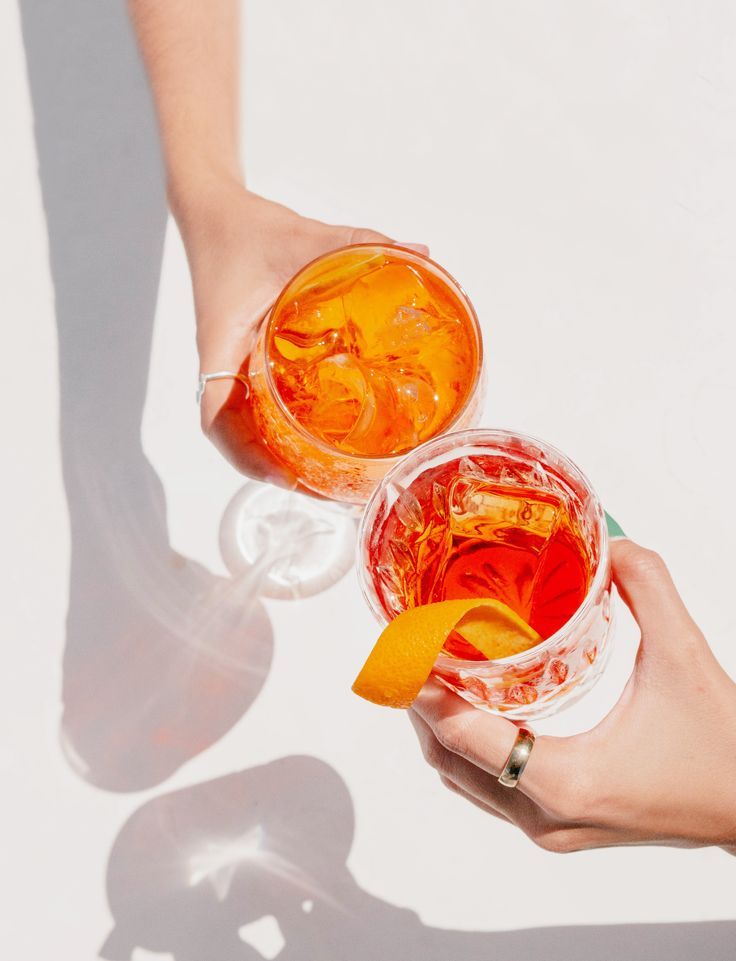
[[369, 351], [460, 532], [491, 514]]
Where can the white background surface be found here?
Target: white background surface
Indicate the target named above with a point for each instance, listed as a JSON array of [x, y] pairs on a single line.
[[572, 164]]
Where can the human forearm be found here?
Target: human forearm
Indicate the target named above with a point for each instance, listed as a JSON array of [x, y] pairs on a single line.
[[190, 50], [241, 247]]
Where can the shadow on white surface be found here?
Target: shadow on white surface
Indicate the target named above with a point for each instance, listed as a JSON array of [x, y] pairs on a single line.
[[254, 865], [162, 657]]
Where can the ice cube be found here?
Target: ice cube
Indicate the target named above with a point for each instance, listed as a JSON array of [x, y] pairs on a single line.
[[400, 284], [402, 555], [416, 397], [479, 509], [471, 468], [342, 397], [382, 304], [375, 430], [302, 328], [404, 335], [409, 511], [404, 570], [342, 372], [514, 474], [439, 500], [307, 348], [352, 337], [433, 549], [390, 581], [410, 324], [391, 427]]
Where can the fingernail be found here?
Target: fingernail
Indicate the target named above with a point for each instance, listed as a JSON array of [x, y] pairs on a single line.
[[615, 530], [422, 249]]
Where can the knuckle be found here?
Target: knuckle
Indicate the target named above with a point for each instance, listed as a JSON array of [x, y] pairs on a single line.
[[449, 784], [572, 780], [361, 235], [573, 802], [557, 842], [434, 754], [568, 780], [452, 734], [643, 564]]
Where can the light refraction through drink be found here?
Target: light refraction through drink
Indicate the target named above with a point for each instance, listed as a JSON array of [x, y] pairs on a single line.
[[458, 533], [500, 524], [369, 352], [373, 356]]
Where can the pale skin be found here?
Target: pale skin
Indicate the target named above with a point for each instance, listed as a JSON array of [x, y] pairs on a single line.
[[661, 768], [241, 248]]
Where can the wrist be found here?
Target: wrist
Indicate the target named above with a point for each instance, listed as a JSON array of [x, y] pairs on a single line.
[[197, 192]]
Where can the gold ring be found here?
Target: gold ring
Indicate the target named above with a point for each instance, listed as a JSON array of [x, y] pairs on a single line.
[[518, 758]]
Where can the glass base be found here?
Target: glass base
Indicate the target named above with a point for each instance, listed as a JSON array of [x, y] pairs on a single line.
[[293, 545]]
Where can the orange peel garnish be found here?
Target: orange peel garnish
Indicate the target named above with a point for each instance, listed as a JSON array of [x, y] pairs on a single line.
[[404, 654]]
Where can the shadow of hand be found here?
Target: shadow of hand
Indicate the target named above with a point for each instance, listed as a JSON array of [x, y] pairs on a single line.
[[192, 873], [161, 657]]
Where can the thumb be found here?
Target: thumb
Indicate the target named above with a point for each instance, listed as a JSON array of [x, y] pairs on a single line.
[[647, 588], [361, 235]]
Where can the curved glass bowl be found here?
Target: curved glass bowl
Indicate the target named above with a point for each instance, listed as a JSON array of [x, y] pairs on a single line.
[[561, 668], [322, 468]]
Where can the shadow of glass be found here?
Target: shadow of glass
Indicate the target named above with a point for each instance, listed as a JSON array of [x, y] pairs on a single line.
[[162, 658], [192, 872]]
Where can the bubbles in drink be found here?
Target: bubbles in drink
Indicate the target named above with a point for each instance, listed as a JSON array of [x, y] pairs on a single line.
[[372, 354]]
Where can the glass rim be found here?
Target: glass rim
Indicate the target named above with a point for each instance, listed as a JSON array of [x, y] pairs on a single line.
[[456, 417], [465, 438]]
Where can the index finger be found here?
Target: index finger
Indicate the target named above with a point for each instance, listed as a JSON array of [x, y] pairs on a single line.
[[647, 588], [486, 741]]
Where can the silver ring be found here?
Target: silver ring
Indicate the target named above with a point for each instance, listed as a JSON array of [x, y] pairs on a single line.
[[518, 758], [204, 379]]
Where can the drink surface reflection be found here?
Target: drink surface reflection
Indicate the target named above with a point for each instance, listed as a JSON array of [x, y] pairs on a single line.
[[368, 352], [493, 514], [459, 532]]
